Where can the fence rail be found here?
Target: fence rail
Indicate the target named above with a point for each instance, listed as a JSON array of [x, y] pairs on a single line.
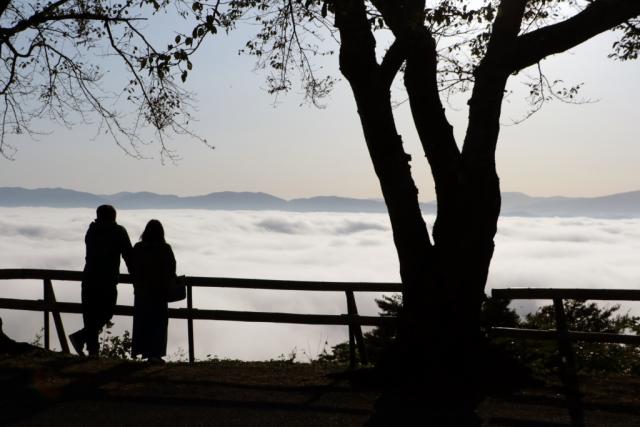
[[569, 293], [49, 305], [563, 335], [218, 282]]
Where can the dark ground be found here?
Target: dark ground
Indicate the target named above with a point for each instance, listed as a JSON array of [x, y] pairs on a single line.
[[40, 388]]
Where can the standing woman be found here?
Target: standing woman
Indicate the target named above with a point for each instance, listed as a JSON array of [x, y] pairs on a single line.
[[154, 266]]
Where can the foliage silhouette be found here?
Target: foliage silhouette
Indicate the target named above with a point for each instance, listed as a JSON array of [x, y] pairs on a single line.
[[50, 67], [590, 357], [115, 346], [376, 340], [495, 312], [540, 356]]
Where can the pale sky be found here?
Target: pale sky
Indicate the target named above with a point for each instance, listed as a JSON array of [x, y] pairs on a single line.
[[290, 150]]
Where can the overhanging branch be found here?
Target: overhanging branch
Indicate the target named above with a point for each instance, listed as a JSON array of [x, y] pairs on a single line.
[[598, 17]]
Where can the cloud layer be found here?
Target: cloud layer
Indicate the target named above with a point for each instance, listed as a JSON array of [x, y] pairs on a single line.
[[542, 252]]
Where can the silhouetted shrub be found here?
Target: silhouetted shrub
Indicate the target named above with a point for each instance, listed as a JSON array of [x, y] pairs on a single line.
[[536, 354], [590, 357], [115, 346], [375, 340]]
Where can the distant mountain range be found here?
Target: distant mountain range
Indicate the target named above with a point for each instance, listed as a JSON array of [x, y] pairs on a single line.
[[622, 205]]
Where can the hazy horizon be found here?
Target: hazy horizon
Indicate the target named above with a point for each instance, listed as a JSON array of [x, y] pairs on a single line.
[[183, 195]]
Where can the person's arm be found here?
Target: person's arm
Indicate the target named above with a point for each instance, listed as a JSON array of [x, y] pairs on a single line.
[[172, 262], [89, 244], [126, 250], [88, 252]]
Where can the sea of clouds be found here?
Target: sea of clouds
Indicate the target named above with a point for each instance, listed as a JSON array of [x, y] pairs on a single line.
[[536, 252]]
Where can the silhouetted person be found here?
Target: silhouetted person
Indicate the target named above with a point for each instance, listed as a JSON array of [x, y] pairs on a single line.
[[105, 241], [154, 266]]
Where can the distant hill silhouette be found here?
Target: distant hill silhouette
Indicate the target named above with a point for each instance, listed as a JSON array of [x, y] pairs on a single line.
[[50, 197], [622, 205]]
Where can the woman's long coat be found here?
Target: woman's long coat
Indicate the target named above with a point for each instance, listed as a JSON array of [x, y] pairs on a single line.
[[154, 266]]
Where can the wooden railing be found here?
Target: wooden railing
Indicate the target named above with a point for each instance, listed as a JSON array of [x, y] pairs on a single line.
[[53, 308], [563, 335]]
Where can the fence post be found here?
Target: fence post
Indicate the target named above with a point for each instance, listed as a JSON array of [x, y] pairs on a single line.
[[352, 344], [45, 297], [190, 323], [57, 320], [355, 333], [567, 366]]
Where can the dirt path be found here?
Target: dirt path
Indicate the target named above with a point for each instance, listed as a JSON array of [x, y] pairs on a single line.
[[45, 390], [48, 389]]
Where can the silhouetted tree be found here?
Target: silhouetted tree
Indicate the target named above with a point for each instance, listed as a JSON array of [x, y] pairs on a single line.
[[442, 47]]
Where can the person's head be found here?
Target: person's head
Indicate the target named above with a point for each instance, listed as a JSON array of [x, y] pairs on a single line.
[[153, 232], [106, 213]]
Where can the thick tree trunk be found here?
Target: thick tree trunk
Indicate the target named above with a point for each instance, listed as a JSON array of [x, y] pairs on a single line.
[[434, 374], [391, 163], [431, 377]]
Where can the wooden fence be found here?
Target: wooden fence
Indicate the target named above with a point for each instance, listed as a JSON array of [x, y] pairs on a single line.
[[563, 335], [52, 308]]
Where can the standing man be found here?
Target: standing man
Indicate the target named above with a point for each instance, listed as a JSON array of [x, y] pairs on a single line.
[[106, 241]]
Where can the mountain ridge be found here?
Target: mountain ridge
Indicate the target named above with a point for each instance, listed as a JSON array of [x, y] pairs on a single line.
[[618, 205]]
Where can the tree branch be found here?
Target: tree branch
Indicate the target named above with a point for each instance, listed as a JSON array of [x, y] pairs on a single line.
[[391, 63], [504, 32], [3, 5], [491, 78], [12, 72], [391, 163], [479, 179], [34, 19], [597, 17], [436, 134], [357, 47]]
